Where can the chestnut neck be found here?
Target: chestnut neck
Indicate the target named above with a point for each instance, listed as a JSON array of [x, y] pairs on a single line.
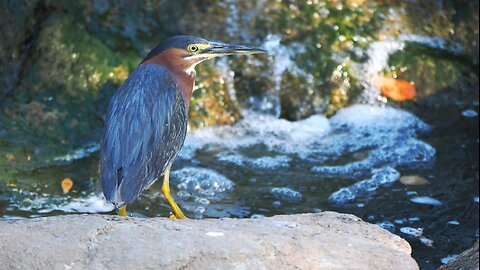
[[178, 67]]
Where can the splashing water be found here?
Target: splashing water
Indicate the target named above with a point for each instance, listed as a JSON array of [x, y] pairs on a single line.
[[377, 140], [201, 183], [46, 203], [378, 54]]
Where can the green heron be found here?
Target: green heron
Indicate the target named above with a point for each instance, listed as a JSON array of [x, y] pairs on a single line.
[[146, 121]]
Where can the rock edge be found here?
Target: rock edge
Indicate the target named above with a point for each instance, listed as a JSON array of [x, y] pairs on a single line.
[[326, 240]]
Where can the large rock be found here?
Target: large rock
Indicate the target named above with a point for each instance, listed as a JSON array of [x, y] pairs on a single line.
[[468, 260], [307, 241]]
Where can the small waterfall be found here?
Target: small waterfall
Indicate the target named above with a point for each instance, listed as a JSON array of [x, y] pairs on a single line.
[[379, 53]]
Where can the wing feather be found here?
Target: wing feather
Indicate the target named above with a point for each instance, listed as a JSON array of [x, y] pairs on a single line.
[[145, 129]]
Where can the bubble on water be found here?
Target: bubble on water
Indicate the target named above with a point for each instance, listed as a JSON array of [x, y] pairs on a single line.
[[426, 241], [453, 222], [265, 162], [380, 177], [415, 232], [470, 113], [389, 135], [349, 145], [201, 182], [271, 162], [203, 201], [387, 225], [201, 189], [448, 258], [184, 195], [375, 118], [286, 194], [199, 210], [399, 221], [425, 200], [277, 135], [92, 204]]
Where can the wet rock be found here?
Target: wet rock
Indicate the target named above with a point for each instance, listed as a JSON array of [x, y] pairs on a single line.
[[468, 260], [63, 63], [430, 65], [326, 240]]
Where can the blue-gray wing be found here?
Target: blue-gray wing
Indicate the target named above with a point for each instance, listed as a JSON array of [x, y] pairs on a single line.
[[145, 129]]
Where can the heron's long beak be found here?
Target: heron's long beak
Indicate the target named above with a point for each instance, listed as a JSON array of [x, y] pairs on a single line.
[[220, 49]]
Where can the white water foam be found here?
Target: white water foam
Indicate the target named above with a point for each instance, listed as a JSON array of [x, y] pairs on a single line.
[[201, 184], [376, 140], [46, 203]]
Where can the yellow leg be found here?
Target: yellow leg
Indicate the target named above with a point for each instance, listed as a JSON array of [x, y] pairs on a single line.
[[123, 211], [166, 192]]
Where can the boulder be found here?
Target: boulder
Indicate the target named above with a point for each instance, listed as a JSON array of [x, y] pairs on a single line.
[[326, 240], [468, 260]]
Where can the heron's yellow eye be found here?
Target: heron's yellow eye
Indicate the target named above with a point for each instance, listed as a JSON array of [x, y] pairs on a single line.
[[192, 48]]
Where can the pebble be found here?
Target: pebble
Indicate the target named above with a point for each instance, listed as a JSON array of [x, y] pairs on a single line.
[[453, 222], [414, 180], [425, 200]]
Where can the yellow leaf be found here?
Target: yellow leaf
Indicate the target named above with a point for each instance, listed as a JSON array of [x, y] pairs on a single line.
[[398, 90], [67, 184]]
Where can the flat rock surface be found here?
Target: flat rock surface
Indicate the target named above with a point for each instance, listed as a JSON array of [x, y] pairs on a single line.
[[326, 240]]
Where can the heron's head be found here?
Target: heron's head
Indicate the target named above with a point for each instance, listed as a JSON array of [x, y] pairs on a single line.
[[185, 52]]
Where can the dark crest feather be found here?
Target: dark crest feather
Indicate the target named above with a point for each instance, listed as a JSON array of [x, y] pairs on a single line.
[[179, 42]]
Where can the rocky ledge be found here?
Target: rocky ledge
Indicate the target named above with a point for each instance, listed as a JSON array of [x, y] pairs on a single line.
[[325, 240], [468, 260]]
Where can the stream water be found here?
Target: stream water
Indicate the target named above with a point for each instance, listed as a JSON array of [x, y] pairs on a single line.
[[265, 166]]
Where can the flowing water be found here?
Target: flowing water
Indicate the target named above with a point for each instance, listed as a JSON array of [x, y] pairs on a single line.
[[265, 166]]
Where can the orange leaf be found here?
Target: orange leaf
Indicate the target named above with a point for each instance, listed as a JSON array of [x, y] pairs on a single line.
[[398, 90], [67, 184]]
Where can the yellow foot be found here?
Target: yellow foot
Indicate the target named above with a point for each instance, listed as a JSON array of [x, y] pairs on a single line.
[[123, 211], [178, 216], [166, 192]]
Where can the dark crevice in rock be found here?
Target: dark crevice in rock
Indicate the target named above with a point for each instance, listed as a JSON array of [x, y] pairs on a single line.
[[41, 13]]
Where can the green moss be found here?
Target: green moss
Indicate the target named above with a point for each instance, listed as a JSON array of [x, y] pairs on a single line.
[[55, 107], [429, 69], [211, 102], [318, 33]]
